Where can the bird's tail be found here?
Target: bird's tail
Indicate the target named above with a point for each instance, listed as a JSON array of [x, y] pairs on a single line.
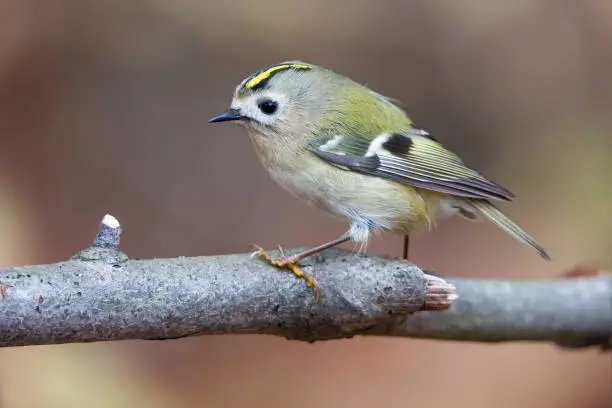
[[502, 221]]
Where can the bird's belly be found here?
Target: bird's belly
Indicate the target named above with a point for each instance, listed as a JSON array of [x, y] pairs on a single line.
[[360, 199]]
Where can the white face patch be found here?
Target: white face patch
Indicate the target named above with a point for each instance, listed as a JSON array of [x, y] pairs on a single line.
[[332, 143], [376, 146], [250, 107]]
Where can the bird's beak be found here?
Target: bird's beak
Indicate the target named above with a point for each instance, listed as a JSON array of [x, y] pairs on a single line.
[[230, 114]]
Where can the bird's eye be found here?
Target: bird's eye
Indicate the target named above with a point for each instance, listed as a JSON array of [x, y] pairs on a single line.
[[267, 106]]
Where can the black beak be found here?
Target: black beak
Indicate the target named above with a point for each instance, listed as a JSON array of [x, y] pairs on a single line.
[[231, 114]]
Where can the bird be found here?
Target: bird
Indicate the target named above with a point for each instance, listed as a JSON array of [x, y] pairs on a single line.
[[356, 154]]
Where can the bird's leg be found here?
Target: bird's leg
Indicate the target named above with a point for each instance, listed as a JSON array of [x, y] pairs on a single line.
[[290, 262], [406, 245]]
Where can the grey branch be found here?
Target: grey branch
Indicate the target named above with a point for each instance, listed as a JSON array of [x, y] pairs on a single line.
[[100, 295]]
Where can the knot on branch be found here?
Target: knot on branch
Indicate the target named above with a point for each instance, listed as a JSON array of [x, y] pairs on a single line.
[[105, 247]]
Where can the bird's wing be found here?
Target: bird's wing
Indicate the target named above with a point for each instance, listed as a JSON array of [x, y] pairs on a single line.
[[411, 157]]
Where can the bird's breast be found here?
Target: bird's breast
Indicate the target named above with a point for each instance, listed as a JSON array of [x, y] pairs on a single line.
[[377, 202]]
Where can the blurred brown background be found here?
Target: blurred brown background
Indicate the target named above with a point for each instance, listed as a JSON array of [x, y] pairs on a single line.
[[103, 108]]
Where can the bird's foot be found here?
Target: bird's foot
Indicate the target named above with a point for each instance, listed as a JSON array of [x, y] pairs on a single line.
[[289, 262]]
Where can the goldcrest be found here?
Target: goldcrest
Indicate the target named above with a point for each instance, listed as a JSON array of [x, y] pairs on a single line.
[[354, 153]]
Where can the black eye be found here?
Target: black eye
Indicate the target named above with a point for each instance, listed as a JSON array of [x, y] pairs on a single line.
[[267, 106]]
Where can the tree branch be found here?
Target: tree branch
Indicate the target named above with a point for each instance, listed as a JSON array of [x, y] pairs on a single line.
[[572, 313], [100, 294]]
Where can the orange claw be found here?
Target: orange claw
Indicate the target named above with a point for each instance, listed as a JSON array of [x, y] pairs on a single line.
[[289, 262]]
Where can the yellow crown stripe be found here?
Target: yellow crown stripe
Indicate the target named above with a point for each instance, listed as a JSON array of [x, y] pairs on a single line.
[[266, 73]]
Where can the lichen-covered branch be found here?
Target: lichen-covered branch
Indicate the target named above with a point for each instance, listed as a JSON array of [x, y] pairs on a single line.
[[100, 294]]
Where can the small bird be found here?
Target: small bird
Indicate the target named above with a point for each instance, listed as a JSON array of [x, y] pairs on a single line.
[[355, 153]]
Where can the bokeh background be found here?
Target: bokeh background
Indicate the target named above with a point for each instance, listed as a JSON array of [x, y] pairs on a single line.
[[103, 109]]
